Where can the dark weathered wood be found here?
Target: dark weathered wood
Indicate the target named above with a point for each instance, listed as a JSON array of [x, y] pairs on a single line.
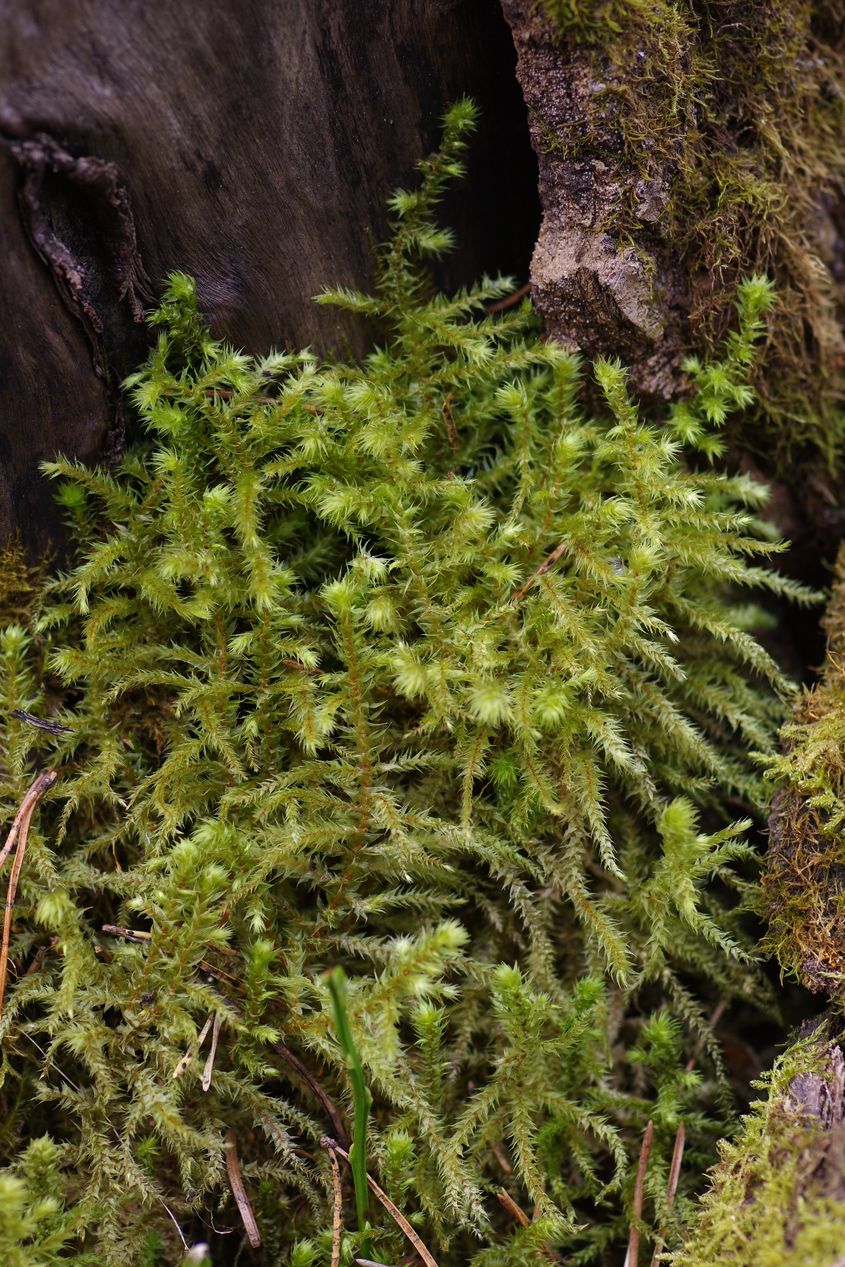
[[251, 144]]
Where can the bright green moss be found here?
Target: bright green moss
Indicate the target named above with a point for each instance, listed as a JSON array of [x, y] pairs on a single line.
[[416, 668]]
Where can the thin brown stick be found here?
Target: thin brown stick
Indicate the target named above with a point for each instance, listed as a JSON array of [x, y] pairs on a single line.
[[128, 934], [307, 1076], [509, 300], [241, 1199], [516, 1211], [40, 955], [675, 1167], [671, 1184], [547, 563], [51, 727], [639, 1187], [34, 793], [331, 1145], [337, 1208], [19, 833]]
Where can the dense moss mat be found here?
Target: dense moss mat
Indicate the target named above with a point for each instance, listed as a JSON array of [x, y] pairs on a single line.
[[777, 1196], [804, 880], [716, 127], [418, 668]]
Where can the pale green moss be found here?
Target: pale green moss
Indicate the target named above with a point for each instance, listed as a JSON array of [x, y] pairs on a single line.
[[417, 667]]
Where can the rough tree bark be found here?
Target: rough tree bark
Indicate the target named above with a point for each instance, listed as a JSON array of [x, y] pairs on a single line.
[[681, 145], [251, 144]]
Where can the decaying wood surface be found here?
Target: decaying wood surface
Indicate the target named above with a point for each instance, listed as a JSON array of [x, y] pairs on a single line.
[[251, 144]]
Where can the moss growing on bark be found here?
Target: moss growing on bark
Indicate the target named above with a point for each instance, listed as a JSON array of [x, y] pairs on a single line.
[[689, 144], [804, 884], [777, 1196]]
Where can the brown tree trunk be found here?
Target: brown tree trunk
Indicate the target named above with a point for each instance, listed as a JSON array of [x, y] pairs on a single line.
[[252, 144]]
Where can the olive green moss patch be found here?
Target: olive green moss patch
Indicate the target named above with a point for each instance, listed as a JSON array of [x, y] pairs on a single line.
[[777, 1196], [804, 881], [694, 143]]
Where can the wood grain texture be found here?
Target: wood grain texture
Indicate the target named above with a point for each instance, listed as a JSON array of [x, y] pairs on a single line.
[[252, 144]]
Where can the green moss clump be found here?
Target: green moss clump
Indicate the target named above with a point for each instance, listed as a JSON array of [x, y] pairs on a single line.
[[777, 1197], [414, 668], [731, 117]]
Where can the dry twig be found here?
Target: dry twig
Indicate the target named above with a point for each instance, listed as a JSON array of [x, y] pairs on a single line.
[[547, 563], [521, 1217], [18, 834], [331, 1145], [337, 1208], [40, 955], [672, 1184], [675, 1167], [512, 1208], [509, 300], [238, 1192], [639, 1188], [51, 727]]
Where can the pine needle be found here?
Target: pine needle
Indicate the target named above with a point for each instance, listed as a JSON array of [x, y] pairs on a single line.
[[239, 1193], [19, 833], [337, 1207]]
